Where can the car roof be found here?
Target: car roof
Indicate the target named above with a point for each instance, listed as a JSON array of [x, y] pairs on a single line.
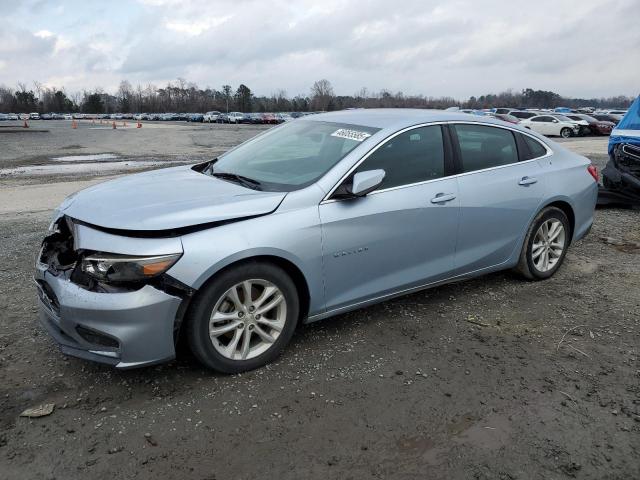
[[397, 117]]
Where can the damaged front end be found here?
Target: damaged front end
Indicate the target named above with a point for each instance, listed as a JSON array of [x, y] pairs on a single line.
[[117, 308], [621, 176]]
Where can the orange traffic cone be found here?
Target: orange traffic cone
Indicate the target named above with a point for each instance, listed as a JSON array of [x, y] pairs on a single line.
[[74, 124], [139, 125], [26, 125], [114, 125]]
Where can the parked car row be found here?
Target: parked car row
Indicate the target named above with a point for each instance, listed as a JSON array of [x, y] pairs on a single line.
[[65, 116], [609, 115], [562, 122], [247, 118]]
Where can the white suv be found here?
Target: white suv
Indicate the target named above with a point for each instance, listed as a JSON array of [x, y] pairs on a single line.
[[235, 117], [211, 117]]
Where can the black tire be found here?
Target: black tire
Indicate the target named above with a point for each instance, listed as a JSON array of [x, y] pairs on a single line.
[[197, 321], [566, 132], [526, 266]]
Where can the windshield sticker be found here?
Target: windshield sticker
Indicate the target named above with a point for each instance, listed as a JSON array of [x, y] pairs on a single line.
[[351, 134]]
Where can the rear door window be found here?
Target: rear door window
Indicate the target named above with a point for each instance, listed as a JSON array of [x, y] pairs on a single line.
[[482, 146]]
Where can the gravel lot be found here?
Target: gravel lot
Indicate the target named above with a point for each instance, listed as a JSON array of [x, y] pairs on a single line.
[[494, 378], [178, 141]]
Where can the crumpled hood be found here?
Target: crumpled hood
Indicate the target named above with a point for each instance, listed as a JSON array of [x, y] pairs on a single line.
[[167, 199]]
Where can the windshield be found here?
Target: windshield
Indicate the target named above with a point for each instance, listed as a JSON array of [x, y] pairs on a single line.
[[291, 156]]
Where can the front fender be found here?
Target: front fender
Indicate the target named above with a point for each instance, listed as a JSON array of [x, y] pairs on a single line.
[[248, 255], [294, 236]]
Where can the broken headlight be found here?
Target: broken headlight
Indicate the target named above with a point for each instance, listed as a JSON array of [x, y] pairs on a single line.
[[109, 267]]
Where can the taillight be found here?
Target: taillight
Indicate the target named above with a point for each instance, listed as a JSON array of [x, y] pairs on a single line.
[[593, 171]]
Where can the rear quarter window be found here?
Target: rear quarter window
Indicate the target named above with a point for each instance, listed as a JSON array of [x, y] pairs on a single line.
[[536, 149], [483, 147]]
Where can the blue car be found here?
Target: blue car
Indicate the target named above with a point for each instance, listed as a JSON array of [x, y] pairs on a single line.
[[308, 220]]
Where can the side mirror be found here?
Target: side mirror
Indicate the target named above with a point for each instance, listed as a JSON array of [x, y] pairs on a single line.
[[366, 182]]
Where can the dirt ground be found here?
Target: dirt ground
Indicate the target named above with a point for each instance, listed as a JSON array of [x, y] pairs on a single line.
[[493, 378]]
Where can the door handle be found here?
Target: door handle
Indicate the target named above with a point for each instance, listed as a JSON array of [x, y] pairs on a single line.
[[443, 197], [527, 181]]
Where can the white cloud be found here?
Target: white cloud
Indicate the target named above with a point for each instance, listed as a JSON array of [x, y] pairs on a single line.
[[43, 34], [196, 27]]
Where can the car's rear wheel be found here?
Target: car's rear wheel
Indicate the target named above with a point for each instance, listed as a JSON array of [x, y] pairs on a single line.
[[545, 245], [566, 132], [243, 318]]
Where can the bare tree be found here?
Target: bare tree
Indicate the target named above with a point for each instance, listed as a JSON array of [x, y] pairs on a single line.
[[226, 92], [39, 88], [125, 96], [322, 95]]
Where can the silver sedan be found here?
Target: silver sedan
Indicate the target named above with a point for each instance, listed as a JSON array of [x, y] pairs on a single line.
[[317, 217]]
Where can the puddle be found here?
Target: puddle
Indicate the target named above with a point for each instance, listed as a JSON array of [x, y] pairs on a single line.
[[414, 444], [420, 446], [74, 168], [581, 264], [98, 157], [491, 433], [466, 431]]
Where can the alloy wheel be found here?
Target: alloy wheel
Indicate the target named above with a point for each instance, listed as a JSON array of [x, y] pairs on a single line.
[[548, 245], [247, 319]]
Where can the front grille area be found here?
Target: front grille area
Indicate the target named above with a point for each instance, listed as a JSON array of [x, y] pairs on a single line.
[[629, 157]]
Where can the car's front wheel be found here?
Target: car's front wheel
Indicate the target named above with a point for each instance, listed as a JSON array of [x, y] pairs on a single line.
[[566, 132], [545, 245], [243, 318]]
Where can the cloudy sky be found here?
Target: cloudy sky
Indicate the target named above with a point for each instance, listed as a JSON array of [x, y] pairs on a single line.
[[455, 48]]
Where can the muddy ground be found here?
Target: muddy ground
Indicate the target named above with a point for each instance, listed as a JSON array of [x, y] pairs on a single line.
[[494, 378]]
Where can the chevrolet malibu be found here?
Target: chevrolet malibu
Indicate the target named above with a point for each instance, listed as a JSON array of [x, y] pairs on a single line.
[[311, 219]]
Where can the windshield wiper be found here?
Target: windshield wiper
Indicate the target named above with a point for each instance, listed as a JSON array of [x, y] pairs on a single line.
[[241, 179]]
